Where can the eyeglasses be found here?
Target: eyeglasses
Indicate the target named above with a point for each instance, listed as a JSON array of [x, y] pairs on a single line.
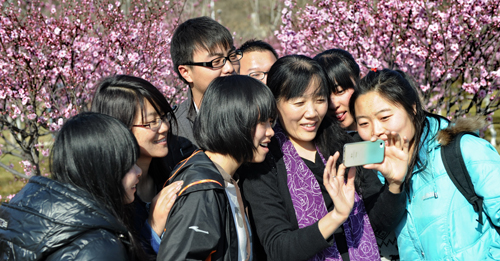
[[156, 124], [258, 75], [219, 62]]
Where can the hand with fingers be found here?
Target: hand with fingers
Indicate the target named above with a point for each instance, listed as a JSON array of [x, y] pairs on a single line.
[[395, 164], [161, 205], [341, 192]]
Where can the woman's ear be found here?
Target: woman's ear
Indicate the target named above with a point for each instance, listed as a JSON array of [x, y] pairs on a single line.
[[414, 109]]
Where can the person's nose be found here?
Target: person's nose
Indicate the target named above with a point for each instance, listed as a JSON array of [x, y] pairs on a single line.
[[137, 170], [378, 129], [269, 130], [229, 68], [165, 126], [311, 110]]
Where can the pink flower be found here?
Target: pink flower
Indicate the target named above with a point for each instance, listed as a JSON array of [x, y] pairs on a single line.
[[425, 88]]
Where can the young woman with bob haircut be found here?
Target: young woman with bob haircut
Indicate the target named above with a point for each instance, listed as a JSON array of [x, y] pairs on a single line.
[[299, 204], [207, 221], [80, 213], [343, 73], [439, 223], [145, 111]]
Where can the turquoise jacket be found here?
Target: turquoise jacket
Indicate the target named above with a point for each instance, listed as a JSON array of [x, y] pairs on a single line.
[[440, 224]]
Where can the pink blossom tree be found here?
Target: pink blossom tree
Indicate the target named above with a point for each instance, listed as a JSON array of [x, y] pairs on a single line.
[[450, 48], [51, 55]]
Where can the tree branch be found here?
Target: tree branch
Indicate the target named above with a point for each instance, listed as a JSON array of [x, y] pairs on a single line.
[[16, 173]]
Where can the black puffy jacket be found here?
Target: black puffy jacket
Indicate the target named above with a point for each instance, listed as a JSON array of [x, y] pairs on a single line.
[[49, 220]]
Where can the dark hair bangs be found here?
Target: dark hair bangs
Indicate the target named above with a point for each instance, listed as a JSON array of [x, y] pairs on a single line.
[[290, 76], [117, 102], [201, 32], [340, 67], [121, 95], [232, 108]]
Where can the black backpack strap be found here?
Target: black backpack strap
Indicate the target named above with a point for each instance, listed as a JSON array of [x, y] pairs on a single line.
[[455, 167]]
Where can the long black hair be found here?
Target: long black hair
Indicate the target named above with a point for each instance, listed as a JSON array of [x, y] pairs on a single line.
[[232, 108], [93, 152], [122, 97], [395, 87], [289, 78]]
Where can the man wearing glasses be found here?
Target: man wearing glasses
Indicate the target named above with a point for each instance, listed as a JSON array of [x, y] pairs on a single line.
[[201, 50], [258, 57]]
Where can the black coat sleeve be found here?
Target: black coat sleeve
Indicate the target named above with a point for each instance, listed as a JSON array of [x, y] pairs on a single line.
[[195, 227], [385, 209], [276, 229]]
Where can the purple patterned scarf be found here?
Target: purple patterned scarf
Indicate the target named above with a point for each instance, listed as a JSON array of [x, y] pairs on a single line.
[[310, 207]]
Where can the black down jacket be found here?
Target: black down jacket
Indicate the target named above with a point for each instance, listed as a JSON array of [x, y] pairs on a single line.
[[49, 220]]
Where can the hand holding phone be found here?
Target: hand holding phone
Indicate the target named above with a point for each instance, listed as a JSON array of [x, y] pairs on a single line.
[[395, 161], [363, 152]]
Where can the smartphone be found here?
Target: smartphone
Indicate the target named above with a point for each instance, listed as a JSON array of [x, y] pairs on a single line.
[[363, 152]]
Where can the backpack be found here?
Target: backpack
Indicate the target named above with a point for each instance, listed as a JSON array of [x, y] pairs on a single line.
[[455, 167]]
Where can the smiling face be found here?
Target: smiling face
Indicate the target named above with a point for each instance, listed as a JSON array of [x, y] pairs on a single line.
[[130, 181], [301, 116], [375, 115], [153, 144], [257, 61], [262, 136], [338, 107]]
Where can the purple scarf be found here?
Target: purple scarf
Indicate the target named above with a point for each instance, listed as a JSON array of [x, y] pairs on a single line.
[[310, 207]]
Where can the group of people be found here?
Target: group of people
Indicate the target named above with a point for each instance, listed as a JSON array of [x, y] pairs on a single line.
[[249, 167]]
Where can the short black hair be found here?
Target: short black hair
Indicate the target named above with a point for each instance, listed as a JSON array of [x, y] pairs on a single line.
[[290, 76], [253, 45], [340, 67], [232, 108], [194, 34]]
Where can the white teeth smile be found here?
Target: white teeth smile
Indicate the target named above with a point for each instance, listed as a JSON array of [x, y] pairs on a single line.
[[162, 140], [309, 125], [263, 145]]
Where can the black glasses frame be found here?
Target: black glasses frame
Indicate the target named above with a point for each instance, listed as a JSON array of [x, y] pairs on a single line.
[[165, 118], [225, 59]]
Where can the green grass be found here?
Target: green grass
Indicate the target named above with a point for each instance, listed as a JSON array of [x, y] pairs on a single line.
[[10, 184]]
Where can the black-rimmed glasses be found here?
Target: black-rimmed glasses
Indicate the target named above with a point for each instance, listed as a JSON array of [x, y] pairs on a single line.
[[258, 75], [156, 123], [219, 62]]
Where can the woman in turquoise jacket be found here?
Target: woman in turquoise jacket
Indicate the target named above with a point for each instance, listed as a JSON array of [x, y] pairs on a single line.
[[440, 224]]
